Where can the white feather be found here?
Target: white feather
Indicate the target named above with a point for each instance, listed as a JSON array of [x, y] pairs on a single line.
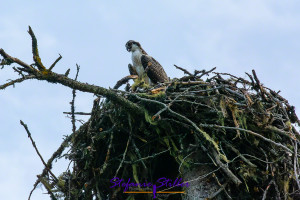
[[137, 64]]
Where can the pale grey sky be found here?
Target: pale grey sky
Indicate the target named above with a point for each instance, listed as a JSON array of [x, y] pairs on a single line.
[[234, 36]]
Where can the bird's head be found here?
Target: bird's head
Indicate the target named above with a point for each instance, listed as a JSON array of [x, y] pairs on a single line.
[[132, 45]]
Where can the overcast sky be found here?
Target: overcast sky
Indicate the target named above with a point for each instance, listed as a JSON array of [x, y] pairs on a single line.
[[234, 36]]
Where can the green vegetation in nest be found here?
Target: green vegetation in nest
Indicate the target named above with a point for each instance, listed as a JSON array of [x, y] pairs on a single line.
[[242, 130]]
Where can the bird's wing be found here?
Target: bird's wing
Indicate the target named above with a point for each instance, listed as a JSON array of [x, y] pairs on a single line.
[[132, 70], [154, 70]]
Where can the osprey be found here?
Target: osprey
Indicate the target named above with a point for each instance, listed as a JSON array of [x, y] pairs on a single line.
[[145, 66]]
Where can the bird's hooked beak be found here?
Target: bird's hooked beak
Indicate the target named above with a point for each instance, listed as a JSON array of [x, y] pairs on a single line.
[[128, 48]]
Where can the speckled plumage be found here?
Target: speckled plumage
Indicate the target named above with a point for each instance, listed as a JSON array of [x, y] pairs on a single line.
[[143, 63], [154, 70]]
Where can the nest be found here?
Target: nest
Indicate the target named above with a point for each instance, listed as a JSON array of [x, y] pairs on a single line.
[[241, 132]]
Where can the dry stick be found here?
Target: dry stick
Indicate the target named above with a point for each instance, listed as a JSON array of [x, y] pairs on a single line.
[[187, 83], [238, 78], [266, 190], [222, 186], [184, 70], [205, 175], [295, 164], [56, 61], [35, 51], [248, 131], [56, 154], [225, 168], [169, 104], [241, 155], [259, 85], [281, 132], [124, 154], [137, 151], [124, 80], [126, 149], [77, 113], [36, 149], [73, 102], [104, 166], [48, 188], [19, 80], [15, 60], [207, 72], [84, 87], [148, 157], [203, 133]]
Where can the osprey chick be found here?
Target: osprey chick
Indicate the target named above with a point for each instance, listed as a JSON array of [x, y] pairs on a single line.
[[145, 64]]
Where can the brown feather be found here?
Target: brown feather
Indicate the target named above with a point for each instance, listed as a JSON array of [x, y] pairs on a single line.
[[154, 70]]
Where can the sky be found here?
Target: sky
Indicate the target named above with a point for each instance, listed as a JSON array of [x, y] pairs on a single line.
[[234, 36]]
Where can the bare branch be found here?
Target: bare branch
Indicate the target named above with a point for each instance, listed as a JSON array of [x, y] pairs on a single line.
[[36, 149], [56, 61], [14, 60], [124, 80], [184, 70], [19, 80], [35, 51]]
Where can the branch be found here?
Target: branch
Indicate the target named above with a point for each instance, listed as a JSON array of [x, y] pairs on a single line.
[[56, 61], [19, 80], [77, 113], [36, 149], [53, 77], [35, 51], [14, 60], [124, 80], [57, 153], [225, 168], [184, 70], [73, 102], [207, 72], [248, 131]]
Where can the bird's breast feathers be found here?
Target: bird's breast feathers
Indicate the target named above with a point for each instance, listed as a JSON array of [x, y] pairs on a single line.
[[137, 64]]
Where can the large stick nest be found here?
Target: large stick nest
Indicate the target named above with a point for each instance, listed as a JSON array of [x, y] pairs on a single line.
[[225, 132], [242, 131]]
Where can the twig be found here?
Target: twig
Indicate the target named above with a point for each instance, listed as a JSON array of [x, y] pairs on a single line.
[[148, 157], [73, 102], [137, 151], [266, 190], [56, 154], [225, 168], [248, 131], [36, 149], [296, 172], [207, 72], [241, 155], [259, 85], [15, 60], [77, 113], [221, 187], [124, 80], [104, 166], [124, 154], [203, 133], [56, 61], [184, 70], [48, 188], [35, 51], [19, 80]]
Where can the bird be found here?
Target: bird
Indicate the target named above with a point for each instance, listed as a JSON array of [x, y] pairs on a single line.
[[145, 66]]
